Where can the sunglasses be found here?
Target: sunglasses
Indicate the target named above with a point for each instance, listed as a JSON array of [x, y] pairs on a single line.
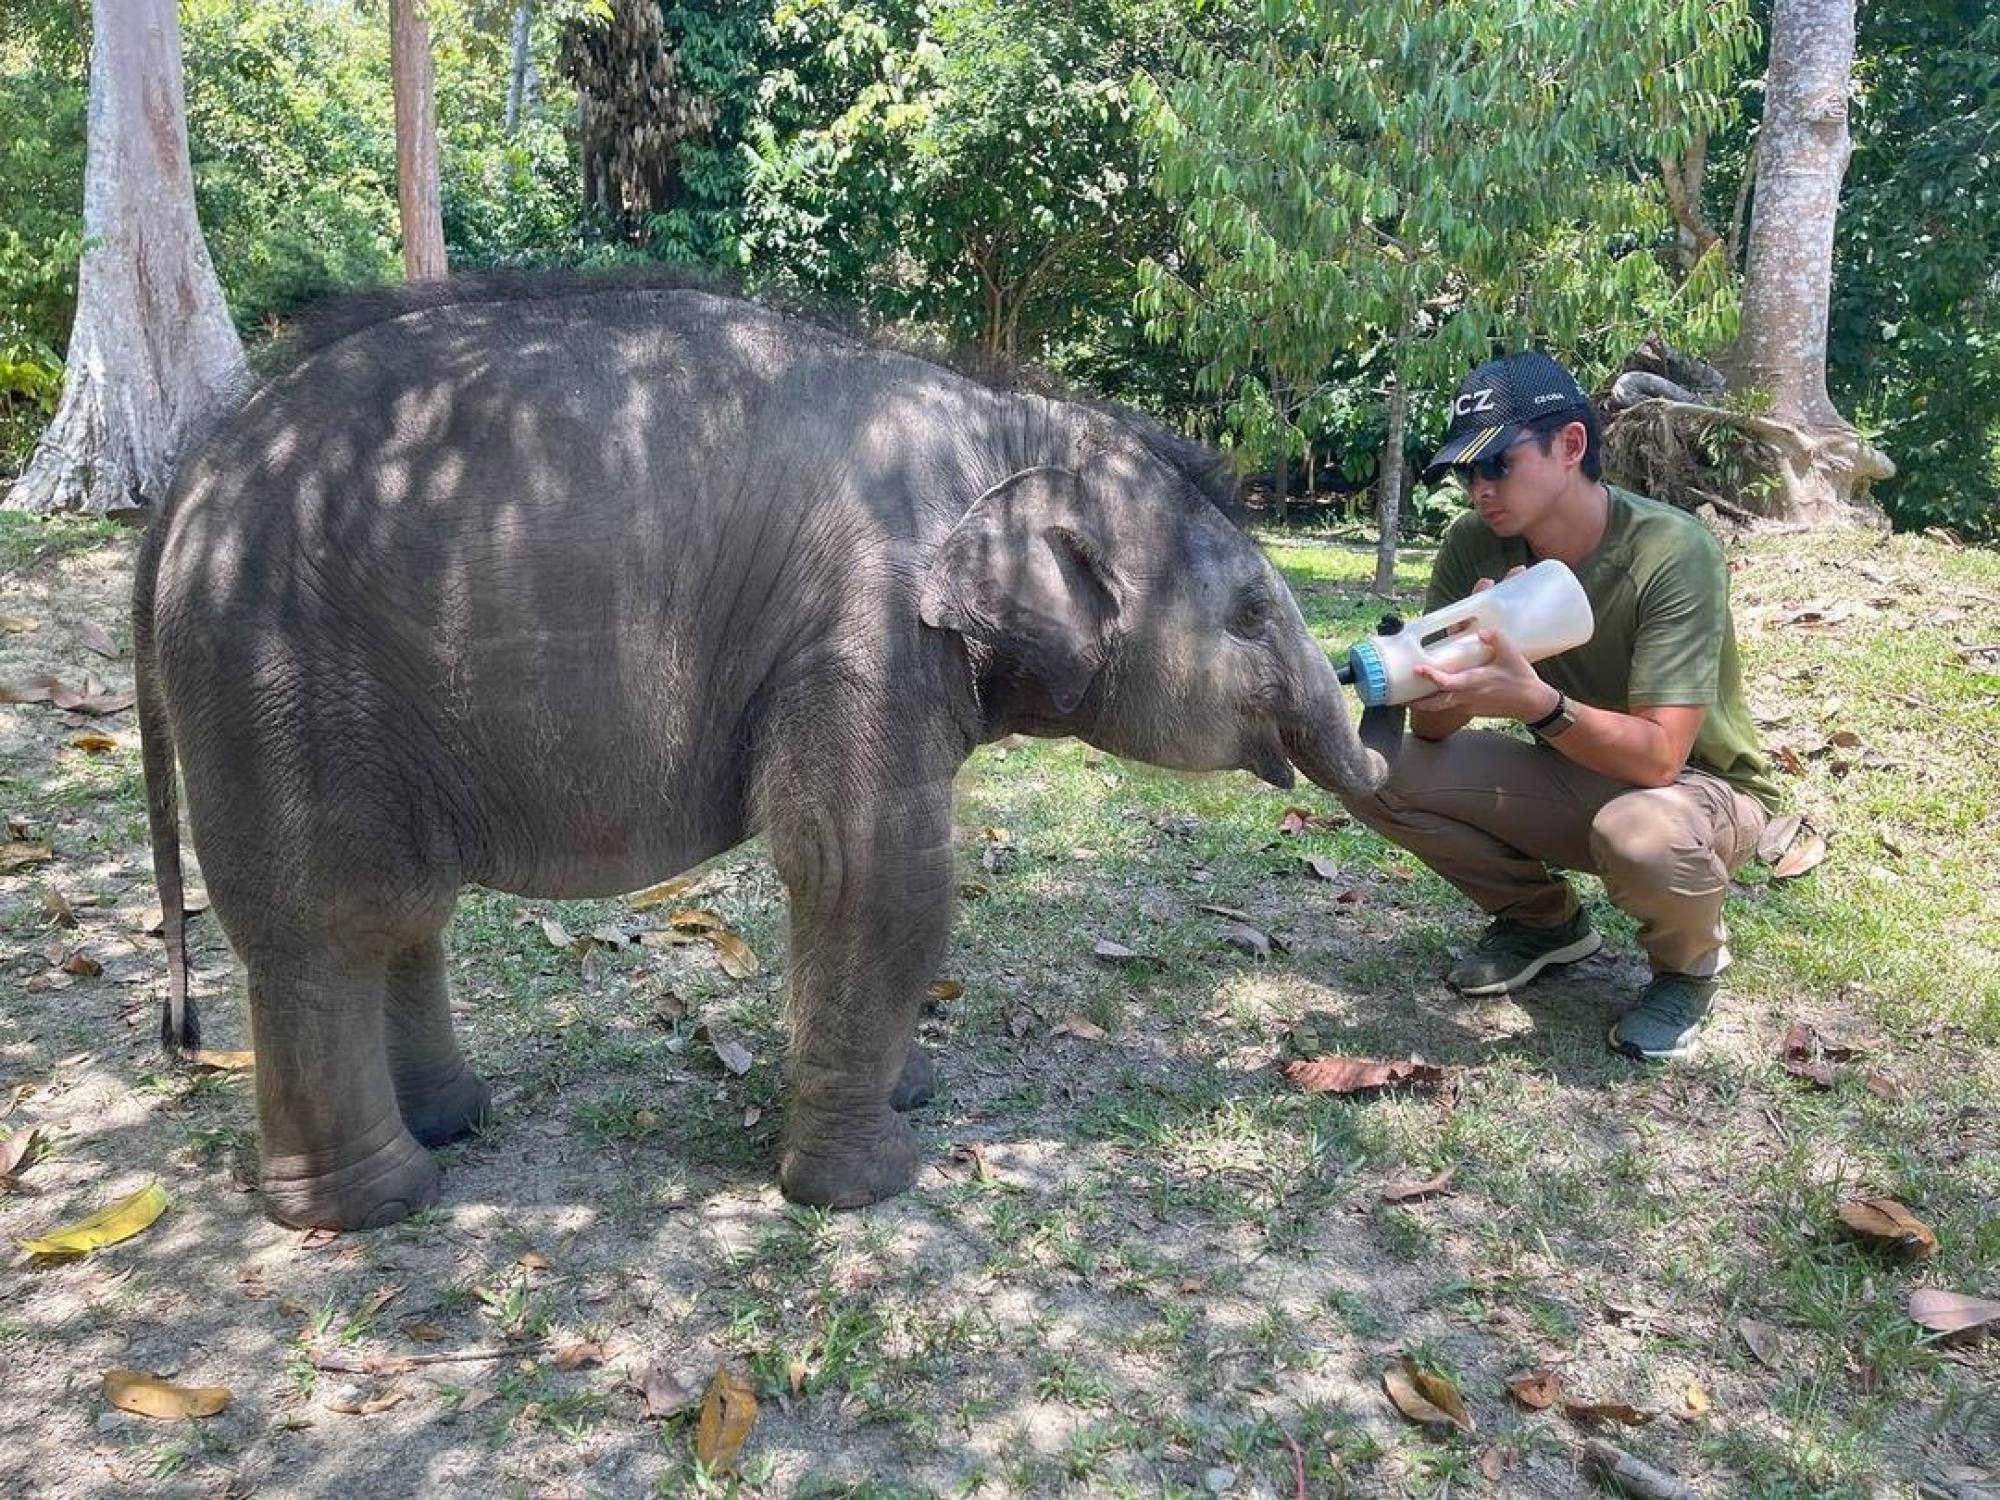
[[1492, 469]]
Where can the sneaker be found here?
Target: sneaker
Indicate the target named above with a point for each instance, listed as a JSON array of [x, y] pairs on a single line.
[[1667, 1020], [1510, 954]]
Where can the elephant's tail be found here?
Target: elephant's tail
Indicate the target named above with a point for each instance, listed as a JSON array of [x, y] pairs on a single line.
[[180, 1027]]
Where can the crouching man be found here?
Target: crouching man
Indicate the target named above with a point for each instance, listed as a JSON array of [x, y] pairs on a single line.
[[1642, 766]]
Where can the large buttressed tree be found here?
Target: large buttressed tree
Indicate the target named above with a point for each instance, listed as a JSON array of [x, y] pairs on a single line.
[[152, 347], [1822, 466]]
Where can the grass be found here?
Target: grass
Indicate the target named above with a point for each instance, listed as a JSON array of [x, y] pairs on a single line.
[[1173, 1264]]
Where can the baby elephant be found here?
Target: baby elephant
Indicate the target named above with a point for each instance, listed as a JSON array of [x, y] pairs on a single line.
[[561, 586]]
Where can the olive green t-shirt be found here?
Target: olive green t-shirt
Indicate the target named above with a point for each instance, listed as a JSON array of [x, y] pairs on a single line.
[[1659, 587]]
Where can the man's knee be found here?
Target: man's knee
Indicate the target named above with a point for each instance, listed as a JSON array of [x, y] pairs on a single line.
[[1647, 842]]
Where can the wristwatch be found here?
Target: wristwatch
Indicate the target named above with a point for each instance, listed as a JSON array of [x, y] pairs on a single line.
[[1552, 724]]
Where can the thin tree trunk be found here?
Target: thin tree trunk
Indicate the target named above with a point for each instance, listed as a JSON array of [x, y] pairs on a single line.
[[518, 82], [1281, 477], [1684, 178], [152, 348], [417, 194], [1389, 488], [1802, 155]]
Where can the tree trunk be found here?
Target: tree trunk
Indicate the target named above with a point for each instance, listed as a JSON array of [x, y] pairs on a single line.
[[416, 142], [1389, 488], [152, 347], [1281, 468], [520, 74], [1802, 155], [1684, 178]]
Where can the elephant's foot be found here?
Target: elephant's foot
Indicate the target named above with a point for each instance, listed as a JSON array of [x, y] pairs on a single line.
[[388, 1183], [913, 1089], [847, 1166], [435, 1114]]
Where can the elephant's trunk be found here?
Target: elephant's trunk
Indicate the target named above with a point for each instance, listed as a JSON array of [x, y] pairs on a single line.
[[1322, 741]]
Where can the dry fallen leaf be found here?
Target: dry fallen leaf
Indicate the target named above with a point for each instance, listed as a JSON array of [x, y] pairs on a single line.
[[355, 1404], [1301, 819], [1882, 1086], [1536, 1389], [944, 991], [1424, 1397], [19, 856], [1323, 868], [1796, 1055], [661, 894], [95, 637], [1696, 1403], [1888, 1222], [579, 1356], [1949, 1313], [975, 1154], [122, 1220], [1588, 1412], [422, 1332], [1357, 1075], [18, 624], [1777, 837], [14, 1150], [557, 934], [665, 1395], [732, 1055], [1078, 1027], [376, 1303], [736, 957], [728, 1412], [1763, 1341], [1410, 1192], [149, 1396], [34, 690], [1114, 953], [1250, 940], [1805, 854], [239, 1061]]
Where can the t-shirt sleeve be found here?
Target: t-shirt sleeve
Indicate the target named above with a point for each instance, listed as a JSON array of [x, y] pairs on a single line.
[[1456, 567], [1683, 617]]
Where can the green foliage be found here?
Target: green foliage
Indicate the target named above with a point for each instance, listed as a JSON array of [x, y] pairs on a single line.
[[1913, 346], [294, 168], [1396, 189], [969, 163]]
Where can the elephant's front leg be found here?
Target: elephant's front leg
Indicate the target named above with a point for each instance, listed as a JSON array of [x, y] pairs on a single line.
[[870, 885]]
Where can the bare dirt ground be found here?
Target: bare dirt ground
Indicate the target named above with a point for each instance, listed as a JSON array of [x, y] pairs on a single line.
[[1133, 1263]]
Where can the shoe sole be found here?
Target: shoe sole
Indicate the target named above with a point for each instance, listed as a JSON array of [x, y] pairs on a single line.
[[1635, 1054], [1583, 947]]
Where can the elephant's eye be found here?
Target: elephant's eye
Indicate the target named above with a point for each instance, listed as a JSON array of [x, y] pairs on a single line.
[[1251, 615]]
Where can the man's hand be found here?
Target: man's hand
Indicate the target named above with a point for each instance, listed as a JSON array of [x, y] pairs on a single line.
[[1504, 687]]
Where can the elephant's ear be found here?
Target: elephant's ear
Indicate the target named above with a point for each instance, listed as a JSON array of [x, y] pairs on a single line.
[[1025, 572]]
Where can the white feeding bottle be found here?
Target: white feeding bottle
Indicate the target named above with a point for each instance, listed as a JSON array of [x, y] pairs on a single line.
[[1543, 611]]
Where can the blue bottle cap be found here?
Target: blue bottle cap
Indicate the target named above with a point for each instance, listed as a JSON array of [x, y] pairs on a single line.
[[1371, 678]]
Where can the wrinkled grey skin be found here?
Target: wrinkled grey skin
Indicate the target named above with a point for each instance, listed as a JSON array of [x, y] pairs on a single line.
[[561, 592]]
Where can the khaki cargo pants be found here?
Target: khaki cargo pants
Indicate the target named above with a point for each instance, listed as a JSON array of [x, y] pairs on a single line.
[[1498, 817]]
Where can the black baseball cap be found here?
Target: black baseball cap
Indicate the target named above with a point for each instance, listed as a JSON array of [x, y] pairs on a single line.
[[1497, 400]]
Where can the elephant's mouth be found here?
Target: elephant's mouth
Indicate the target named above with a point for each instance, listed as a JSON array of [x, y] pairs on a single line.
[[1264, 757]]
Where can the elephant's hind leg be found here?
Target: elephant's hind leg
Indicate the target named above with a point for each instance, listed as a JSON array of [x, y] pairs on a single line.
[[440, 1096], [336, 1151]]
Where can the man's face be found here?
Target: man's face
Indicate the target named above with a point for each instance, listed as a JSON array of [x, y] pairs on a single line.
[[1532, 483]]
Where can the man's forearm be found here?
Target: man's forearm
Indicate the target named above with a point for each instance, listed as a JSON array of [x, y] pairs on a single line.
[[1621, 746]]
